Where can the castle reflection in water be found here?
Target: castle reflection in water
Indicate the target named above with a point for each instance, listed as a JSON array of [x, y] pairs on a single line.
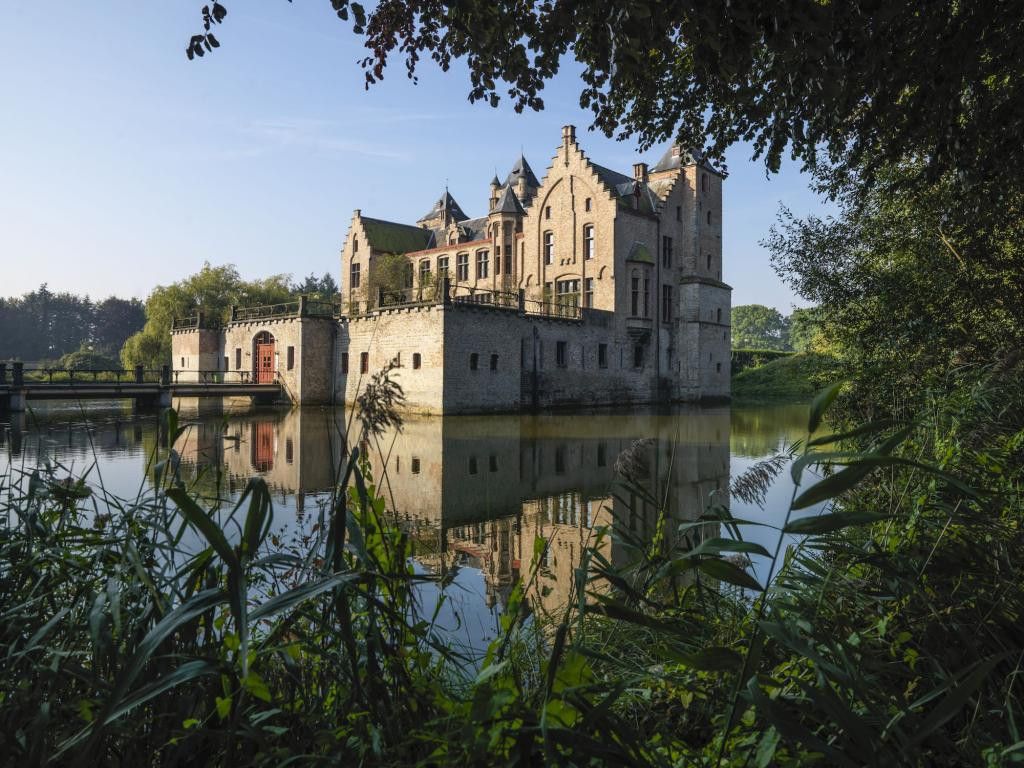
[[478, 491]]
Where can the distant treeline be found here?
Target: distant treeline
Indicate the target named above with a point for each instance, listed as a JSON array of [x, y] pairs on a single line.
[[43, 325]]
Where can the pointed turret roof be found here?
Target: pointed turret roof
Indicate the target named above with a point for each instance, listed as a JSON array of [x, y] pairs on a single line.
[[508, 203], [522, 169], [495, 182], [445, 203]]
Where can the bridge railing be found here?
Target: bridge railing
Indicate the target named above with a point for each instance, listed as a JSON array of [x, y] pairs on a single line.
[[18, 375], [217, 377]]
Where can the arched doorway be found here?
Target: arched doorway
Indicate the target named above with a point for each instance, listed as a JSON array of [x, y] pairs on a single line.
[[263, 358]]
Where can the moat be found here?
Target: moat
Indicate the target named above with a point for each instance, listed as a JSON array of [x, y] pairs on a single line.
[[475, 492]]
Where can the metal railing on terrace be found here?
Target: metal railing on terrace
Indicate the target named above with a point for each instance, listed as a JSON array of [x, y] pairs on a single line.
[[185, 376], [18, 375]]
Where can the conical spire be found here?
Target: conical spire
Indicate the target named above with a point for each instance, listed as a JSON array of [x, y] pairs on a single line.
[[508, 203], [445, 205], [522, 169]]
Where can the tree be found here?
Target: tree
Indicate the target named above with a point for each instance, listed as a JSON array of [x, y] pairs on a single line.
[[114, 320], [755, 326], [805, 331], [212, 291], [915, 291], [868, 83], [323, 288]]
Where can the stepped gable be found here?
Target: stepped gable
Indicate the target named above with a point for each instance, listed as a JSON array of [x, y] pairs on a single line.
[[625, 188]]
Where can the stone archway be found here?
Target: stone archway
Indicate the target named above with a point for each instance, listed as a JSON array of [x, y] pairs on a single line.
[[263, 361]]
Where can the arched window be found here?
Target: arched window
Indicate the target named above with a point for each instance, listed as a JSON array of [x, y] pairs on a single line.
[[549, 247], [588, 241]]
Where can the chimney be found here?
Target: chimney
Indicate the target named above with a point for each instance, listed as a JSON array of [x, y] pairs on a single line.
[[569, 134], [640, 172]]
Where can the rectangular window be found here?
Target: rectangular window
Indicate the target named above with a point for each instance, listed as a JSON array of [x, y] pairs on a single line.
[[679, 213], [494, 362], [226, 361], [355, 245], [560, 354], [666, 251], [549, 247], [415, 465], [238, 358], [638, 356], [588, 241], [417, 361], [586, 204], [354, 272], [364, 362], [344, 362], [647, 296], [291, 358], [497, 260], [666, 303], [588, 292], [474, 361], [602, 355], [547, 212], [424, 271], [183, 362], [567, 294], [481, 264], [442, 266], [634, 295], [462, 267]]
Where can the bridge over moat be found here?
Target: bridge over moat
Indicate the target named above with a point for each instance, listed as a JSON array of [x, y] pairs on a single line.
[[146, 388]]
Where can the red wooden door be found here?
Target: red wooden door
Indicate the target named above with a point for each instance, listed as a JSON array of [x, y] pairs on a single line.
[[265, 363], [263, 446]]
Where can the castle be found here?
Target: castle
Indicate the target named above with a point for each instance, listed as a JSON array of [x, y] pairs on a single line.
[[586, 287]]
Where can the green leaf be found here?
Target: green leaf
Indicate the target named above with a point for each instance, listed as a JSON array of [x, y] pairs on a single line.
[[818, 524], [838, 437], [210, 530], [724, 571], [718, 546], [820, 404], [293, 597], [255, 685], [832, 486], [188, 671]]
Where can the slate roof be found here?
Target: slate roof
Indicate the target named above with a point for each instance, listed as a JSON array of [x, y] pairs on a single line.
[[508, 203], [445, 202], [392, 237], [522, 169], [474, 229], [625, 188]]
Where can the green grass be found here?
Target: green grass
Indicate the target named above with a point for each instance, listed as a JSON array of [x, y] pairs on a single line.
[[795, 378]]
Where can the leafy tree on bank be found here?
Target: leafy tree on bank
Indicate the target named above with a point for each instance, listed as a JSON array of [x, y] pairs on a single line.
[[212, 291], [755, 326], [857, 84]]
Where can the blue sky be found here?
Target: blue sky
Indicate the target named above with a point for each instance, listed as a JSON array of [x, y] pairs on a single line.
[[124, 166]]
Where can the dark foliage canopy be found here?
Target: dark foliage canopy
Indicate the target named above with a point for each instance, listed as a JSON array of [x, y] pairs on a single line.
[[856, 83]]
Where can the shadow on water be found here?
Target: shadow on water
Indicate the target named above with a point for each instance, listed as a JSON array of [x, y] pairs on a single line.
[[474, 491]]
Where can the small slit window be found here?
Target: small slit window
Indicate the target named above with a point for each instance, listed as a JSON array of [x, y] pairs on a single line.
[[291, 358], [417, 361], [344, 362], [364, 362], [494, 362], [474, 361]]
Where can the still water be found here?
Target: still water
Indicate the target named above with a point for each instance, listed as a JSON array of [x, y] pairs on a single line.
[[475, 491]]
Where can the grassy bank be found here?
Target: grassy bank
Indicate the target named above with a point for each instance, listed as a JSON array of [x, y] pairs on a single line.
[[793, 378]]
